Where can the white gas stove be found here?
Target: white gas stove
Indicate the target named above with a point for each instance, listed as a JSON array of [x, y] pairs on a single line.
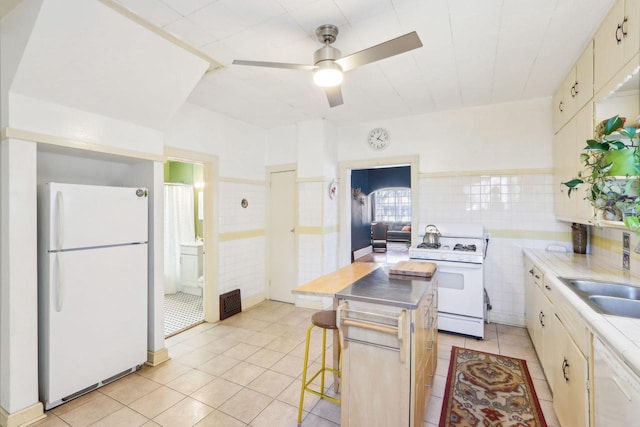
[[460, 258]]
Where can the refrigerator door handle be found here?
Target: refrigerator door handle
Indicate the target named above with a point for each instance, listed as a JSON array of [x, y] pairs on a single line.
[[59, 282], [59, 222]]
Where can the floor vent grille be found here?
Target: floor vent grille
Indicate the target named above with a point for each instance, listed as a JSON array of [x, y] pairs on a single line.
[[230, 304]]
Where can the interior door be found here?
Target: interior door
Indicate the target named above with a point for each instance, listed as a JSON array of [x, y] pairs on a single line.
[[282, 254]]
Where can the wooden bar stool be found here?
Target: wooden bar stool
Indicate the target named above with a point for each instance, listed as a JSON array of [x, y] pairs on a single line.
[[326, 320]]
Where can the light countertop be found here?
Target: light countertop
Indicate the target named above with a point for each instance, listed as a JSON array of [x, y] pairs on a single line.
[[622, 334], [332, 283]]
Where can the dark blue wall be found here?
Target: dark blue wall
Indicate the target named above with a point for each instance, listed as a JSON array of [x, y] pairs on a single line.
[[388, 177], [370, 180]]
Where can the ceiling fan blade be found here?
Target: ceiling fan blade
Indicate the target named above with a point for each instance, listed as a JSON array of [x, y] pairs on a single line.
[[275, 65], [334, 95], [384, 50]]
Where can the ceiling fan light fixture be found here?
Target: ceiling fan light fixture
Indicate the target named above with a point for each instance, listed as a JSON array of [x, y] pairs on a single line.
[[328, 74]]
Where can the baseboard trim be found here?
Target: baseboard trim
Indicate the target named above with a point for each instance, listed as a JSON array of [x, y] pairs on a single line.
[[154, 358], [251, 301], [507, 319], [23, 417], [362, 252]]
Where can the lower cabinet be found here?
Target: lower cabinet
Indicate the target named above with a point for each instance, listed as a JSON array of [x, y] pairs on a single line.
[[389, 358], [571, 375], [542, 328], [564, 364]]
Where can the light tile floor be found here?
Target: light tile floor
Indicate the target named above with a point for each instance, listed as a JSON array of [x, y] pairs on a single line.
[[245, 371]]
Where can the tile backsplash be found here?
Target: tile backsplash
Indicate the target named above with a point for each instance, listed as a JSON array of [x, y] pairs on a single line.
[[516, 210]]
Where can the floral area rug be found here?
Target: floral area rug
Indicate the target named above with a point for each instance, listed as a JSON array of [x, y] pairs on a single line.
[[489, 390]]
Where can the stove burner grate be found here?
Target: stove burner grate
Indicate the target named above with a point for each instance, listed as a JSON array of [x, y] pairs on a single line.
[[465, 248], [429, 245]]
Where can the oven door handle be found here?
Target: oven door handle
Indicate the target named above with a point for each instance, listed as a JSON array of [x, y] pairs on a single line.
[[451, 265]]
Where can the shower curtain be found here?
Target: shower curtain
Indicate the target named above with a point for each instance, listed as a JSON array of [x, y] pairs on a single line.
[[179, 227]]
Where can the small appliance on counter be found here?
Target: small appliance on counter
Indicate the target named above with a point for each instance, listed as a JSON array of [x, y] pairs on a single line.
[[579, 236]]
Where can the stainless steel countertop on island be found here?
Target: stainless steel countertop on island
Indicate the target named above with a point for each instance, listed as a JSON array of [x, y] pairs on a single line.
[[380, 287]]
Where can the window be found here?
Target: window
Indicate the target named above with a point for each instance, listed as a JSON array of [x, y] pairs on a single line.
[[392, 205]]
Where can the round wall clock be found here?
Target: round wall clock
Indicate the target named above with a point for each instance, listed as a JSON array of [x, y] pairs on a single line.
[[379, 139]]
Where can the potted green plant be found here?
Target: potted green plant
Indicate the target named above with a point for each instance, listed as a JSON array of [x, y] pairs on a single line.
[[612, 171]]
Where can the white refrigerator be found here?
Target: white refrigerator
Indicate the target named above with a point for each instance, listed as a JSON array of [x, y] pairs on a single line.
[[92, 287]]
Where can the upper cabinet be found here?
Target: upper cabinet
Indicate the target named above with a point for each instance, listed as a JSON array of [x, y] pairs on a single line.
[[568, 143], [604, 82], [617, 40], [576, 90]]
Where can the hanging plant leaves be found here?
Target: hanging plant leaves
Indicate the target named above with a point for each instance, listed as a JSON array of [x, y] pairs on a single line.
[[613, 124]]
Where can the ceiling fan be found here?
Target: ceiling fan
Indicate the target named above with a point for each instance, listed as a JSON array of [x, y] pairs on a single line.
[[329, 64]]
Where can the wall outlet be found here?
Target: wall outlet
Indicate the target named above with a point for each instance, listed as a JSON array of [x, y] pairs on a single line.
[[626, 261], [487, 237], [625, 242]]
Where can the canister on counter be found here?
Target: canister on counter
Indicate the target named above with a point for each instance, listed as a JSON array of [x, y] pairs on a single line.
[[579, 235]]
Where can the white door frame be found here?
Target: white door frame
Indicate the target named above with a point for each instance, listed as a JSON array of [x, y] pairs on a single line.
[[344, 193], [211, 286]]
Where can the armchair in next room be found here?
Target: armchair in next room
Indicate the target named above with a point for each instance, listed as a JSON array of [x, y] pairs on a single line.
[[379, 236]]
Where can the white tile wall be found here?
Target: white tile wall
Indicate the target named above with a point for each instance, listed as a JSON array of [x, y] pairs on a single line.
[[511, 205], [242, 264], [330, 252], [309, 203], [233, 217], [331, 217], [309, 257], [242, 260], [523, 202]]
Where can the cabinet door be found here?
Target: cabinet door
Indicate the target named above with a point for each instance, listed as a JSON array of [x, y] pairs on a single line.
[[583, 86], [549, 338], [564, 105], [419, 349], [570, 395], [564, 169], [632, 29], [584, 131], [608, 46], [531, 313], [557, 112], [376, 366], [189, 269]]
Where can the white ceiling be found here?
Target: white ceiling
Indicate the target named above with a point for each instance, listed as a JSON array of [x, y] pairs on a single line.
[[475, 52]]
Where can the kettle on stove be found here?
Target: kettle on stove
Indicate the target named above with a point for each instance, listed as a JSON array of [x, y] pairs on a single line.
[[431, 236]]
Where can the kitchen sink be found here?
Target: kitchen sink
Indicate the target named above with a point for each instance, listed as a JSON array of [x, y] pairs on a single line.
[[593, 287], [617, 306], [617, 299]]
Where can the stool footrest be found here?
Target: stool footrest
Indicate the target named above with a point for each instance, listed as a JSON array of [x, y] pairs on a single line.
[[318, 393]]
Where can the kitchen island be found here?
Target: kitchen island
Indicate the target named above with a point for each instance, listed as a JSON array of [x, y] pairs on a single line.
[[388, 329]]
